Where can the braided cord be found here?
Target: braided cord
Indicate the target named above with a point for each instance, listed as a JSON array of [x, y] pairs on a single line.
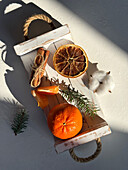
[[35, 17], [90, 158]]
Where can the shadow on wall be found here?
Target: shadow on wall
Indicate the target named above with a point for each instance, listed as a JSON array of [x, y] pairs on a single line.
[[107, 17], [11, 33]]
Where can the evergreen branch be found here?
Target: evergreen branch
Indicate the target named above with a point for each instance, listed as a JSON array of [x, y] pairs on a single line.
[[20, 122], [80, 101]]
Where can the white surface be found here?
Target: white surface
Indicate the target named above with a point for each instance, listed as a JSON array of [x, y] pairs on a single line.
[[102, 33]]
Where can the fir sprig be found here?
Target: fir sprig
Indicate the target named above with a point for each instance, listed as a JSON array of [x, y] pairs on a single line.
[[80, 101], [20, 122]]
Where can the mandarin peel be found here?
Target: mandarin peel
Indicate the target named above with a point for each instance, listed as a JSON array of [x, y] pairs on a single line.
[[64, 121]]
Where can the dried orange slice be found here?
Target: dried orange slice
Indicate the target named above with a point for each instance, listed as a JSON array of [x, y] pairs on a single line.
[[70, 61]]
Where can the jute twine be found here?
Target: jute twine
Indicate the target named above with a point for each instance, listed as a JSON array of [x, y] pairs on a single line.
[[90, 158], [71, 151], [35, 17]]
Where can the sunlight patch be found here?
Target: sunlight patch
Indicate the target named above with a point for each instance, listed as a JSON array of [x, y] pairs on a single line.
[[3, 53], [11, 7]]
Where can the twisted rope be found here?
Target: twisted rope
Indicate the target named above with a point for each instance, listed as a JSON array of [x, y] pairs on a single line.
[[83, 160], [35, 17]]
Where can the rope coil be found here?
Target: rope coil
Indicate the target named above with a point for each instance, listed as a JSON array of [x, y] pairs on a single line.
[[90, 158], [35, 17]]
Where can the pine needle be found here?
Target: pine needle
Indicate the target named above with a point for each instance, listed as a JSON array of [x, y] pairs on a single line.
[[80, 101], [20, 122]]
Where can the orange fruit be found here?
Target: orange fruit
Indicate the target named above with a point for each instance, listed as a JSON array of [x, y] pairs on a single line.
[[64, 121], [70, 61], [49, 90], [41, 99]]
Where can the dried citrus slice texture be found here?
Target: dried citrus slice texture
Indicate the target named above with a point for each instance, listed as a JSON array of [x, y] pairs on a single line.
[[70, 60]]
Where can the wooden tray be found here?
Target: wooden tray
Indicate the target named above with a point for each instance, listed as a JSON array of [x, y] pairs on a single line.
[[93, 128]]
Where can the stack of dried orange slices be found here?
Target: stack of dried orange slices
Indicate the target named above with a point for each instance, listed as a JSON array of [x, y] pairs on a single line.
[[70, 61]]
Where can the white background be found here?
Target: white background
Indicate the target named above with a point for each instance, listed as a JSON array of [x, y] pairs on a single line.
[[101, 29]]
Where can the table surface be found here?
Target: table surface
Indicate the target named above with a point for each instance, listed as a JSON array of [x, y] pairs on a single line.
[[101, 29]]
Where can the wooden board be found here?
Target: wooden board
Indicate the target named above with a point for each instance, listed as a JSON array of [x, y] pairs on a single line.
[[92, 127], [41, 40]]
